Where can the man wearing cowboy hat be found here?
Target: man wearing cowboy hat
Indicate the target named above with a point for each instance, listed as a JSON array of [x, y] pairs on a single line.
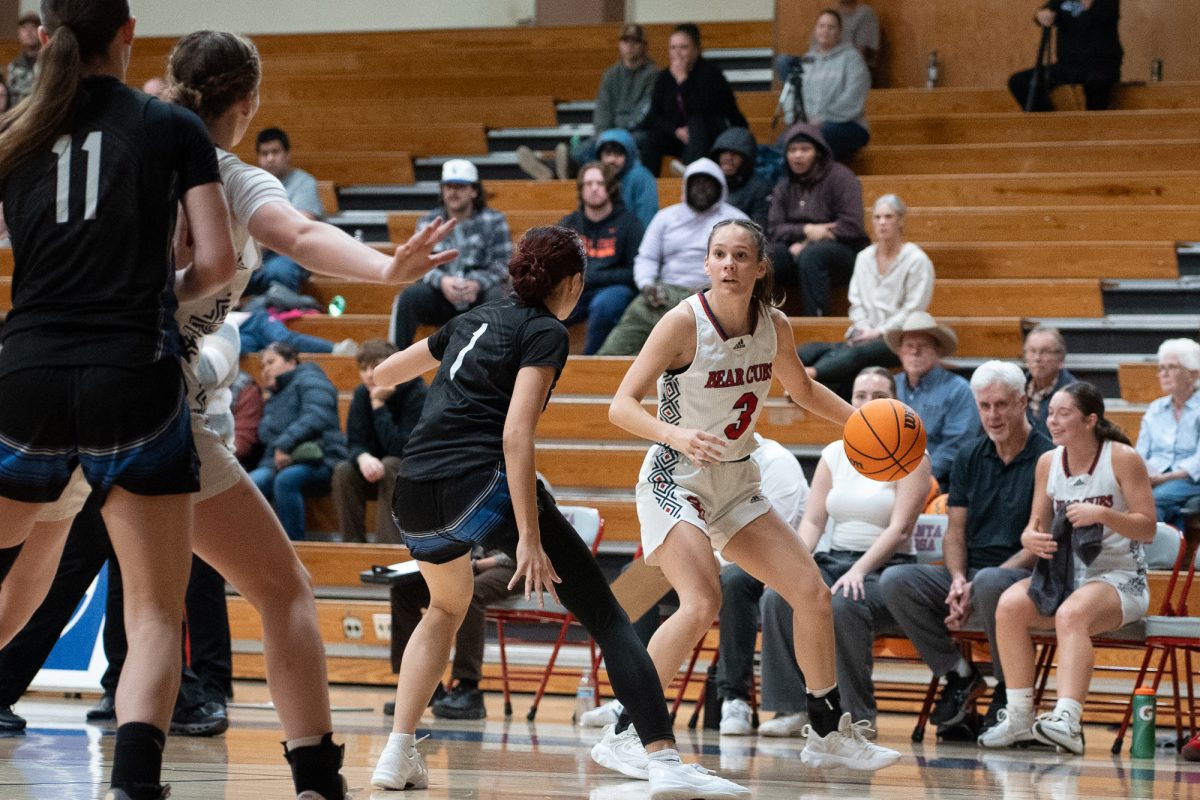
[[942, 399]]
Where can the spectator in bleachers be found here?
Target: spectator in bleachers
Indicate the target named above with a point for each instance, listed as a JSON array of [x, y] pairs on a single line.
[[247, 413], [479, 274], [378, 424], [259, 328], [275, 156], [991, 481], [1088, 48], [1089, 580], [691, 104], [618, 151], [736, 151], [834, 87], [622, 101], [611, 235], [1045, 353], [815, 223], [23, 68], [941, 398], [870, 526], [892, 279], [860, 27], [301, 434], [670, 262], [1169, 437]]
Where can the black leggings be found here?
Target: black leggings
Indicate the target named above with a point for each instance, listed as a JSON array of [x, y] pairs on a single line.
[[585, 593]]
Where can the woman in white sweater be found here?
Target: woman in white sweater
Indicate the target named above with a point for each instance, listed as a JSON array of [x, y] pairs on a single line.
[[892, 279]]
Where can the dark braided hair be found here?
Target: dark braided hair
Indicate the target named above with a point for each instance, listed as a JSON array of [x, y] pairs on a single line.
[[544, 256]]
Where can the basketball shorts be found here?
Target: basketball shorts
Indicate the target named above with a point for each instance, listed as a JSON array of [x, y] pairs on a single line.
[[121, 426], [1131, 588], [219, 467], [444, 519], [719, 500]]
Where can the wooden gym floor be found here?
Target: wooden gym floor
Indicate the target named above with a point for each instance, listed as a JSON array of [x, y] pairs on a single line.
[[62, 758]]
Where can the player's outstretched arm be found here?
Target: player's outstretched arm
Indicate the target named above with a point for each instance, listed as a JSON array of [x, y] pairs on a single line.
[[414, 360], [806, 392]]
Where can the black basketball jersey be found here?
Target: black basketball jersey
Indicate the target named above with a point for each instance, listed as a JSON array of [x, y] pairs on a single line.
[[462, 425], [91, 221]]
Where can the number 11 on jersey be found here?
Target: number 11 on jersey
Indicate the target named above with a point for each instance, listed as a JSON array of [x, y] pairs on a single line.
[[62, 149]]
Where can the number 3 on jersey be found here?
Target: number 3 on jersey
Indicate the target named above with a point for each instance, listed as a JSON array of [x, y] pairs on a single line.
[[62, 149], [748, 403]]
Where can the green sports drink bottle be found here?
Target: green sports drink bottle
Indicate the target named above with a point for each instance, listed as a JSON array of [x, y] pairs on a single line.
[[1144, 729]]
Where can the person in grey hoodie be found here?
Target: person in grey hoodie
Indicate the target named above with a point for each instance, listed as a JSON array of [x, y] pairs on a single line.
[[736, 152], [670, 262], [835, 85], [618, 151], [815, 223]]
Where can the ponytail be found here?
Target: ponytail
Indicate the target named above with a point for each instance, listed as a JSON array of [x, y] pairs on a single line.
[[209, 71], [1089, 401], [1109, 431], [80, 32]]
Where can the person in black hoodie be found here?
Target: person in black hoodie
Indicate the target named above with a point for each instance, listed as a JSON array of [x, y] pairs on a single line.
[[690, 105], [611, 234], [736, 151], [377, 428], [1089, 52]]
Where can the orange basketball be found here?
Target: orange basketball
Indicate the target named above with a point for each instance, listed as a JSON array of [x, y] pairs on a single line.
[[884, 440]]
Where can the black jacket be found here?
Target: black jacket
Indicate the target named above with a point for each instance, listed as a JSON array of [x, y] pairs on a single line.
[[612, 243], [302, 408], [747, 192], [705, 93], [1088, 44], [384, 431]]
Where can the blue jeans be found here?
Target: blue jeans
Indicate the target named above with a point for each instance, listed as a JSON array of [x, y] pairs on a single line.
[[276, 268], [602, 308], [260, 329], [285, 491], [1170, 498]]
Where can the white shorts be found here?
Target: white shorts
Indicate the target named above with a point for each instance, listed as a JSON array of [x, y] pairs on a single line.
[[1132, 590], [719, 500]]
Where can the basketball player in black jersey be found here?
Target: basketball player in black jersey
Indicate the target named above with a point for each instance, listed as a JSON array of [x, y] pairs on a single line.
[[91, 175], [467, 478]]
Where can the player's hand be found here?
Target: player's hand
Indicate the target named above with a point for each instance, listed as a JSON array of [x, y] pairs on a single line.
[[1083, 514], [533, 565], [700, 447], [416, 257], [1040, 544]]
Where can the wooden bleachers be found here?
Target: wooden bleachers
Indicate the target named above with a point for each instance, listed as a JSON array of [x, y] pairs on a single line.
[[1006, 126], [1134, 156], [497, 112]]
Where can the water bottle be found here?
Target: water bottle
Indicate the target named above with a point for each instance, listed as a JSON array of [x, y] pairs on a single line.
[[1144, 729], [931, 71], [585, 696], [337, 306], [1156, 70]]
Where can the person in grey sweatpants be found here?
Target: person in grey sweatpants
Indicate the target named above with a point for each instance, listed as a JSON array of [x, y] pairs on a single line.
[[991, 483]]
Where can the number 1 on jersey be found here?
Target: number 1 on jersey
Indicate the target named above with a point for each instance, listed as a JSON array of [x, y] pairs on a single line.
[[463, 353], [62, 149]]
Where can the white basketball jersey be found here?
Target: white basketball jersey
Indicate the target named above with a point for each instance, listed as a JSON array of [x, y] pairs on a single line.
[[725, 386], [1097, 485]]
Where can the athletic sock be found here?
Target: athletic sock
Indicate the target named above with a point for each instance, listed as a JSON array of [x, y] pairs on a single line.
[[8, 556], [1020, 702], [1072, 709], [824, 710], [401, 741], [963, 668], [317, 768], [668, 755], [137, 760]]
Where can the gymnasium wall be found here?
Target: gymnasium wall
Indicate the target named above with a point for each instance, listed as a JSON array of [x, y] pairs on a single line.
[[176, 17], [981, 42]]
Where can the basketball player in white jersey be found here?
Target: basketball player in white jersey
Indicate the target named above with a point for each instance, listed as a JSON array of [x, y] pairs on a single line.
[[1095, 478], [714, 356]]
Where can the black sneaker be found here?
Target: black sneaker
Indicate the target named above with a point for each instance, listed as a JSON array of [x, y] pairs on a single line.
[[999, 701], [957, 697], [10, 721], [205, 720], [389, 708], [460, 704], [103, 711]]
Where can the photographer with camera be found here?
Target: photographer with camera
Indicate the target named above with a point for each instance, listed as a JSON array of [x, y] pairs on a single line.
[[1089, 52], [827, 87]]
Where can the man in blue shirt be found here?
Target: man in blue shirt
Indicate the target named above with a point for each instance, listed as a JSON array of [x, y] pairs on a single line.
[[941, 398]]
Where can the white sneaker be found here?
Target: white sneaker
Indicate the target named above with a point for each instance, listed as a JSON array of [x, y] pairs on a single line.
[[848, 746], [784, 725], [598, 717], [736, 718], [1011, 729], [532, 165], [562, 160], [400, 770], [346, 347], [674, 780], [1059, 730], [622, 752]]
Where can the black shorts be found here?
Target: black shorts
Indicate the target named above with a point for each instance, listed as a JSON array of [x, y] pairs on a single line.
[[444, 519], [125, 426]]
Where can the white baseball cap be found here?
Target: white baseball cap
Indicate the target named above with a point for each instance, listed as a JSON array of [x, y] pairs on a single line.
[[459, 170]]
